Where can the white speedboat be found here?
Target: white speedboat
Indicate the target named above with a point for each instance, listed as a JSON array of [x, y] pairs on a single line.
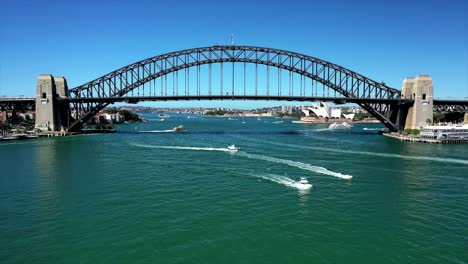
[[179, 128], [162, 116], [233, 148], [303, 184], [343, 125]]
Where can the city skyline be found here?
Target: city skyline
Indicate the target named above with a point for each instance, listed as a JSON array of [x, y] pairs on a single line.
[[384, 41]]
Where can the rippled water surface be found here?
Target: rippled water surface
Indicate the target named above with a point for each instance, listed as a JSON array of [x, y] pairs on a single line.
[[146, 194]]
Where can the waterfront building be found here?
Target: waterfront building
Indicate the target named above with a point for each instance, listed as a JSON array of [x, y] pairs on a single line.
[[114, 118], [324, 112], [321, 110], [445, 132]]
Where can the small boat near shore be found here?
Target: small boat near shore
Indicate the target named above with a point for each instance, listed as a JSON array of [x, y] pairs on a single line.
[[7, 138]]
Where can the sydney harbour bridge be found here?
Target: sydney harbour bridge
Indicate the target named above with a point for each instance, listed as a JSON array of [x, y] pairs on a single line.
[[228, 73]]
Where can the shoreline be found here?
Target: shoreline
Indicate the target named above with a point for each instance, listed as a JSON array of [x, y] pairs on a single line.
[[409, 138], [331, 122], [17, 137], [247, 116]]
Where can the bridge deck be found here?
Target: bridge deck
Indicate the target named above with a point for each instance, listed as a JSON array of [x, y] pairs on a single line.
[[135, 99]]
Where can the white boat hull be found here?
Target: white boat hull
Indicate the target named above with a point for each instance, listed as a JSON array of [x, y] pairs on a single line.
[[301, 186]]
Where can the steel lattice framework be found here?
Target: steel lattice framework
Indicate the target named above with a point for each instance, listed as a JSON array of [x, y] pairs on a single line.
[[450, 106], [17, 104], [128, 83]]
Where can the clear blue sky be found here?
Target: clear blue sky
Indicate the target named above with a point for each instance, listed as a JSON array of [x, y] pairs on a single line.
[[383, 40]]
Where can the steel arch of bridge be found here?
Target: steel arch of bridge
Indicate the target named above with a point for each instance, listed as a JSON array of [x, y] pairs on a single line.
[[378, 99]]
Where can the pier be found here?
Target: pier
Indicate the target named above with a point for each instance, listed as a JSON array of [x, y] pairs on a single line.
[[411, 138]]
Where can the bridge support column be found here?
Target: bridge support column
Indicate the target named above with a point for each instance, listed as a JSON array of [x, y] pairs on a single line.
[[398, 115], [51, 115], [420, 89], [62, 108], [465, 119]]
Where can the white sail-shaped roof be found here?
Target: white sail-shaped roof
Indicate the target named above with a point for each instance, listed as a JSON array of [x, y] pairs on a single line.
[[336, 113], [349, 116]]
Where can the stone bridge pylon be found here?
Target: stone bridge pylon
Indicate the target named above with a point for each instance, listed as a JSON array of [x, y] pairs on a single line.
[[419, 89], [51, 113]]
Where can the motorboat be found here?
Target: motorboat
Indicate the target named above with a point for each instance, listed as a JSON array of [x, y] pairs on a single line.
[[343, 125], [303, 184], [162, 116], [233, 148], [6, 138], [179, 128]]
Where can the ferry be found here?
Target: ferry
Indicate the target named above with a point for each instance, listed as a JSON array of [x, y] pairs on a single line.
[[163, 116], [445, 132]]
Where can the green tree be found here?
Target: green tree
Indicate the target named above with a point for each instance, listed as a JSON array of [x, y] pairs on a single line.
[[129, 116]]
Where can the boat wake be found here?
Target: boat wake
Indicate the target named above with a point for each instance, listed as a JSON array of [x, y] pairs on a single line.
[[182, 147], [314, 130], [297, 164], [300, 165], [283, 180], [365, 153], [372, 129], [158, 131]]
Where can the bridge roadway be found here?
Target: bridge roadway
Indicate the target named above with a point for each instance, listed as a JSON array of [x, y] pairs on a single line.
[[28, 103], [17, 103]]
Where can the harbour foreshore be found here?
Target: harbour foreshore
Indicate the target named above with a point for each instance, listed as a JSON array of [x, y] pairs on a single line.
[[331, 121], [24, 136], [412, 138]]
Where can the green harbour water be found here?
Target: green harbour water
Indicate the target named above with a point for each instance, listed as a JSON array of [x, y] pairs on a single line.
[[149, 195]]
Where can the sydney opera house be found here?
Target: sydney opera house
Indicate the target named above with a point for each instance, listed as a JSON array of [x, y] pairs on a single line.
[[323, 113]]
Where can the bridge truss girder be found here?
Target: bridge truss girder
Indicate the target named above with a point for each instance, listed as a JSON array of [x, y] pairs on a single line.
[[345, 82], [17, 104], [450, 105]]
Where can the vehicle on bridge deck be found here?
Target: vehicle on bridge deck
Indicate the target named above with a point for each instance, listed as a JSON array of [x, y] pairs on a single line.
[[343, 125]]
